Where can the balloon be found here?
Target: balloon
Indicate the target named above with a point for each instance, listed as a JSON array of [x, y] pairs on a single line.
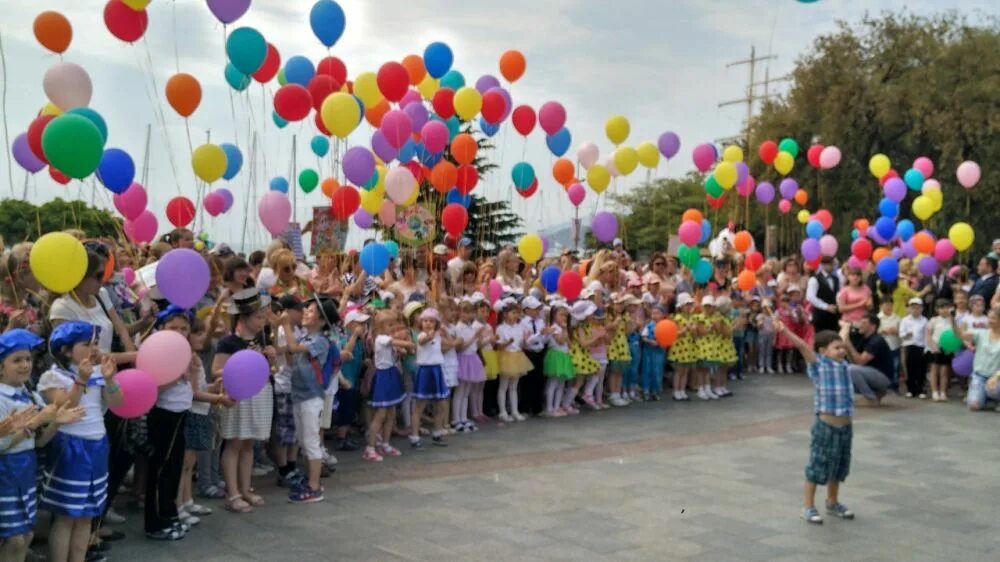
[[828, 245], [703, 156], [400, 185], [829, 157], [790, 146], [587, 155], [444, 175], [813, 154], [559, 142], [888, 208], [530, 248], [811, 249], [438, 59], [755, 260], [359, 165], [968, 174], [962, 236], [725, 174], [665, 332], [576, 193], [702, 271], [879, 165], [523, 119], [386, 214], [344, 202], [924, 165], [281, 123], [463, 148], [382, 148], [617, 129], [550, 278], [861, 249], [22, 153], [784, 162], [768, 151], [340, 114], [649, 155], [270, 67], [293, 102], [512, 65], [180, 211], [53, 31], [494, 106], [247, 50], [551, 117], [299, 70], [895, 190], [166, 355], [124, 22], [962, 363], [923, 207], [689, 232], [227, 198], [444, 103], [73, 144], [668, 144], [209, 162], [467, 178], [788, 187], [944, 250], [228, 11], [58, 176], [914, 179], [468, 102], [362, 219], [68, 85], [570, 285], [888, 269], [320, 145], [626, 159], [923, 242], [454, 196], [764, 193], [393, 81], [139, 393], [732, 153], [604, 226], [116, 170], [522, 174], [213, 203], [563, 171], [308, 180], [742, 241], [598, 178], [454, 219], [396, 127], [246, 372], [183, 93], [688, 255], [234, 160], [58, 261], [328, 21], [453, 79], [706, 231], [141, 229], [274, 210], [814, 229], [746, 280], [949, 341], [784, 206], [236, 79], [182, 276]]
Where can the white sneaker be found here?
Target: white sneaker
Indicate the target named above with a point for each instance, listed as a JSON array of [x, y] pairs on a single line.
[[770, 371], [329, 459], [684, 395], [702, 395], [505, 418], [187, 518], [710, 394], [260, 471], [195, 509], [113, 517], [618, 402], [519, 416]]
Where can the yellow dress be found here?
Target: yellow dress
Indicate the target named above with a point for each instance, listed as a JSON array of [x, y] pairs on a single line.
[[705, 343], [727, 350], [684, 351], [583, 362], [618, 348]]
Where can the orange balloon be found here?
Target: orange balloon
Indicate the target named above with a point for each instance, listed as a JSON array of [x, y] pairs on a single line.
[[742, 241], [375, 113], [328, 186], [414, 66], [665, 332], [923, 243], [463, 148], [880, 253], [444, 175], [183, 93], [801, 197], [563, 170], [862, 224], [512, 65], [692, 215], [53, 31], [746, 280]]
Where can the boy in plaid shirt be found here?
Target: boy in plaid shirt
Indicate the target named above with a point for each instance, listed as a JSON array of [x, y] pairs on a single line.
[[833, 403]]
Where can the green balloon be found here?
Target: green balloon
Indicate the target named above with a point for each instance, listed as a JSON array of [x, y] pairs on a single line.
[[712, 186], [94, 118], [949, 341], [73, 145], [688, 256], [281, 77], [790, 146], [308, 180]]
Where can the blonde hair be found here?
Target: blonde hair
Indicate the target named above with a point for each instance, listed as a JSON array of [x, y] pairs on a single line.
[[281, 258]]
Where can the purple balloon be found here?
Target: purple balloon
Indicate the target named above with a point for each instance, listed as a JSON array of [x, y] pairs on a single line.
[[182, 277], [895, 189], [245, 374], [385, 151], [811, 249], [359, 165], [604, 226], [24, 156], [962, 363], [486, 83], [742, 172], [765, 192], [228, 11], [363, 219], [875, 236], [418, 116], [669, 144], [928, 266], [788, 187], [227, 198], [906, 249], [510, 103]]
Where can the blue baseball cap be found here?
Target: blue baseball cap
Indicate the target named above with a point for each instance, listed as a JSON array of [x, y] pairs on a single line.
[[69, 334], [18, 340], [172, 311]]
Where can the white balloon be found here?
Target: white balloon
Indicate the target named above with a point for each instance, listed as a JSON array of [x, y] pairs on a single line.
[[610, 165], [587, 155], [399, 185], [68, 85]]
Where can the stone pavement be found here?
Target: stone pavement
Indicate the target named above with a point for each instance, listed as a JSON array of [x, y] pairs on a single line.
[[656, 481]]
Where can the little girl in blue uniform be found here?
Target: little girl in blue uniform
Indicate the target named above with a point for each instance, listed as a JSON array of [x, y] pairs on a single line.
[[18, 469], [75, 480]]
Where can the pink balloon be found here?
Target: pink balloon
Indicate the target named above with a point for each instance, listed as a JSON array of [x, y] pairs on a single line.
[[434, 135], [828, 245], [925, 165], [132, 202], [829, 157], [67, 85], [274, 211], [784, 206], [856, 263], [968, 174], [387, 214], [944, 250], [689, 232], [746, 187], [165, 355], [214, 204], [399, 185], [551, 117], [128, 274], [587, 155], [138, 391], [396, 127], [142, 229], [411, 96], [495, 290], [577, 193], [610, 165], [227, 197], [703, 157]]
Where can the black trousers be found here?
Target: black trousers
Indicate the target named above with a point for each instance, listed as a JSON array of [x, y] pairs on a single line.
[[823, 320], [916, 369], [120, 458], [531, 399], [166, 462]]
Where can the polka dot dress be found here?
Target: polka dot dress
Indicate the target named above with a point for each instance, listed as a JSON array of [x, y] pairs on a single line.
[[618, 349], [685, 348], [583, 362]]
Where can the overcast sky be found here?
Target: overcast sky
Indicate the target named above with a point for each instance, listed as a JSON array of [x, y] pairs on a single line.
[[661, 64]]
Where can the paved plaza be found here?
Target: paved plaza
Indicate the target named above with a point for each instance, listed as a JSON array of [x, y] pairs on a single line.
[[656, 481]]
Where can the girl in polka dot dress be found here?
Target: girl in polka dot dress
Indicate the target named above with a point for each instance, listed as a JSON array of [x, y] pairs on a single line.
[[725, 348], [581, 340], [707, 348], [684, 351], [619, 356]]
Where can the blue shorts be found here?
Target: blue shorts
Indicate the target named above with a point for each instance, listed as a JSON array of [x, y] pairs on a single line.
[[977, 391]]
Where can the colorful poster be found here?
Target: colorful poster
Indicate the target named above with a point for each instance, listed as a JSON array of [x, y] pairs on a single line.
[[328, 234], [292, 235], [415, 225]]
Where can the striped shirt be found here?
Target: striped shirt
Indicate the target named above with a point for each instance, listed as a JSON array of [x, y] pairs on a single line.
[[834, 392]]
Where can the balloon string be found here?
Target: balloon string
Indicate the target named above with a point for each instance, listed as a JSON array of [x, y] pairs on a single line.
[[157, 108], [3, 104], [177, 58]]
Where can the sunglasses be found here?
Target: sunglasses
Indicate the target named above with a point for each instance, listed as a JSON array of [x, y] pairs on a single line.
[[659, 264]]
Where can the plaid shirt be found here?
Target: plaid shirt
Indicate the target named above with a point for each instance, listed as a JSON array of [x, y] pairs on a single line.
[[834, 392]]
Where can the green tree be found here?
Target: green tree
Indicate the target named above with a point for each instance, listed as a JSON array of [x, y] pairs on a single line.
[[22, 221], [652, 211]]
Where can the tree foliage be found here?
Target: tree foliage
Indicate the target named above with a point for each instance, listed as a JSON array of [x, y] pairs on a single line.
[[652, 211], [22, 221]]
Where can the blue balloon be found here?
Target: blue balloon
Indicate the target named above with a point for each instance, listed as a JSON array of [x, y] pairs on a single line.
[[116, 170], [706, 231], [855, 234], [886, 227], [454, 125], [279, 184], [888, 208], [320, 145], [371, 183], [247, 49], [328, 21], [236, 79], [523, 175], [914, 179], [234, 160], [375, 258], [438, 59], [550, 278], [559, 143], [428, 158], [94, 118], [905, 230], [278, 120], [455, 196], [702, 271], [407, 151], [393, 248], [888, 270], [299, 70], [488, 129], [814, 229], [454, 80]]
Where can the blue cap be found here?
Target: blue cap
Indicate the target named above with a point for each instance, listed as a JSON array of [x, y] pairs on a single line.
[[69, 334], [18, 340], [466, 241], [171, 311]]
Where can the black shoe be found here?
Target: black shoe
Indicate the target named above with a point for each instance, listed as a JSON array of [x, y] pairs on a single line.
[[113, 536], [418, 444], [100, 546], [169, 534], [439, 441], [95, 557], [346, 445]]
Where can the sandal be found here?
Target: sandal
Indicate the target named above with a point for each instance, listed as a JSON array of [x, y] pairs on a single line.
[[237, 504], [254, 500]]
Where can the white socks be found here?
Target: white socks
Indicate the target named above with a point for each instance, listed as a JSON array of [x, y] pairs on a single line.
[[553, 394], [588, 389], [507, 391]]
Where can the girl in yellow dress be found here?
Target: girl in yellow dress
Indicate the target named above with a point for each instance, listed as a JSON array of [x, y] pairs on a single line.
[[581, 340], [725, 348], [708, 355], [684, 351], [619, 357]]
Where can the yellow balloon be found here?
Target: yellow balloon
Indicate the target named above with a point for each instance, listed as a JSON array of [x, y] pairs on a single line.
[[199, 245], [784, 163], [371, 201], [51, 109], [935, 196], [209, 162], [428, 87], [617, 129], [530, 248], [58, 261], [879, 165], [598, 177], [962, 236], [923, 207], [366, 88], [803, 216], [649, 155], [412, 198], [340, 113], [468, 101], [733, 154], [726, 174], [626, 160], [137, 5]]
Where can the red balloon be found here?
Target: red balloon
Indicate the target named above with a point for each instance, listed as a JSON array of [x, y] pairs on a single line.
[[454, 219], [825, 218], [888, 176], [768, 151], [269, 69], [523, 119], [35, 131], [214, 204], [812, 155], [814, 265], [444, 103], [321, 86], [393, 80], [123, 22], [334, 68], [754, 261], [180, 211], [716, 203], [861, 249], [467, 178], [530, 191], [494, 106], [58, 176], [320, 126], [570, 285], [345, 202], [293, 102], [417, 170]]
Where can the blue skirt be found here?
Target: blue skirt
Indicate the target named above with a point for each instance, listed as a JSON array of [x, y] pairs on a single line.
[[18, 504], [387, 388], [75, 483], [428, 383]]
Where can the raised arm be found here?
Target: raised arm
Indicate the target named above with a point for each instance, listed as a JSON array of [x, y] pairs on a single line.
[[807, 352]]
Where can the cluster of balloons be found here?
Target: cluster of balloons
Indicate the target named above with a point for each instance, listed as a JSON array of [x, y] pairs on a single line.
[[622, 162]]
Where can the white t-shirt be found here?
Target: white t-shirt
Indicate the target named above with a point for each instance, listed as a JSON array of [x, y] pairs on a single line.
[[385, 355], [201, 408], [913, 331], [91, 425], [553, 344], [451, 356], [516, 332], [490, 332], [177, 397], [429, 353], [970, 322], [283, 378], [468, 332], [534, 327], [68, 309], [937, 326], [889, 321]]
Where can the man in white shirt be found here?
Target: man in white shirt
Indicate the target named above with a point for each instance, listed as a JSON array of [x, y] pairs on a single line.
[[462, 254]]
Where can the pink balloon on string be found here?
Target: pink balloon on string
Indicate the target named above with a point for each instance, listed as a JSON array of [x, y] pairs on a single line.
[[142, 228], [411, 97], [387, 213], [784, 206], [213, 204], [587, 155], [944, 250], [829, 157], [703, 157], [925, 165], [747, 187], [577, 193], [551, 117], [396, 127], [434, 135], [132, 202]]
